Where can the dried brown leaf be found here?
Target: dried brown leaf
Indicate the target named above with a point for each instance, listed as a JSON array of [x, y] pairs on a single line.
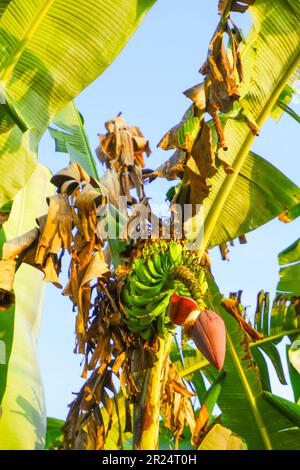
[[96, 269], [197, 95], [232, 306], [72, 173], [203, 153], [57, 232], [201, 426], [13, 248]]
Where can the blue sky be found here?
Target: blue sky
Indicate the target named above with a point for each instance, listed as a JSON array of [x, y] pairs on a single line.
[[146, 83]]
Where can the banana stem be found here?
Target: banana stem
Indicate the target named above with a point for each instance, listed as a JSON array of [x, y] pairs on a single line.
[[147, 407], [189, 280]]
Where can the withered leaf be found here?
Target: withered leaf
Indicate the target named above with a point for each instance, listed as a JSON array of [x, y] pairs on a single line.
[[173, 168], [13, 248], [183, 135], [197, 95], [57, 232], [122, 145], [72, 174], [87, 203], [7, 275], [201, 425], [232, 306], [179, 388], [199, 188], [203, 153], [97, 268]]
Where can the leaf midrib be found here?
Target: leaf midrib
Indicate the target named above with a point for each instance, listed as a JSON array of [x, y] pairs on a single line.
[[251, 398], [86, 142]]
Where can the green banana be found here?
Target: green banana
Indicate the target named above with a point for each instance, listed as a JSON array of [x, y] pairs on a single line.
[[143, 289], [143, 274], [161, 327], [152, 270], [175, 252], [134, 312], [158, 309], [161, 269], [160, 298], [158, 263], [146, 321]]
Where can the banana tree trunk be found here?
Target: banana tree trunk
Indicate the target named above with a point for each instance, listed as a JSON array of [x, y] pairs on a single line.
[[147, 407]]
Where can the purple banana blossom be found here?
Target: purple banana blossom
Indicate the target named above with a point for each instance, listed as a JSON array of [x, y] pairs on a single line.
[[209, 335]]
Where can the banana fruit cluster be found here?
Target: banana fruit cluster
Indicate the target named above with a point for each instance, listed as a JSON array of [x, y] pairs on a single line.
[[151, 282]]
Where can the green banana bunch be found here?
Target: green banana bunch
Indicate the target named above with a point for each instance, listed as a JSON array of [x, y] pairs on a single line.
[[161, 269]]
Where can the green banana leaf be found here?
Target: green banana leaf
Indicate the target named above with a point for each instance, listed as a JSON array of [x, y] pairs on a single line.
[[18, 159], [294, 376], [270, 57], [260, 193], [288, 110], [289, 260], [23, 422], [241, 401], [288, 408], [70, 137], [54, 434], [50, 51]]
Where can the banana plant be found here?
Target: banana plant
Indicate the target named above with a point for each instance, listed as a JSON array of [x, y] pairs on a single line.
[[22, 424], [39, 78]]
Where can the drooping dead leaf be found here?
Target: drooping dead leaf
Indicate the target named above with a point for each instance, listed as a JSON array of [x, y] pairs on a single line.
[[69, 179], [197, 95], [13, 248], [123, 149], [201, 425], [176, 406], [7, 275], [57, 232], [87, 203], [232, 306], [203, 153]]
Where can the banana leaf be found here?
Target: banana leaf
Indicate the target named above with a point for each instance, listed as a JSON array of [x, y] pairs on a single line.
[[294, 376], [260, 192], [221, 438], [54, 435], [23, 422], [288, 408], [271, 57], [70, 137], [289, 260], [50, 51]]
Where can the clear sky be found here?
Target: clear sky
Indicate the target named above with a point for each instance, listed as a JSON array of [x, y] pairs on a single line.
[[146, 83]]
